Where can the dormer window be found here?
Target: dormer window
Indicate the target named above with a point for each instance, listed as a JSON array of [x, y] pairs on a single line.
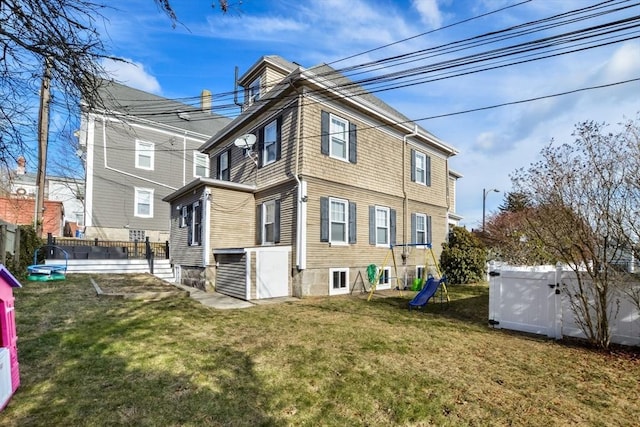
[[253, 92]]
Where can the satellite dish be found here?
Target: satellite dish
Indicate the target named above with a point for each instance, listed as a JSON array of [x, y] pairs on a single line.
[[245, 141]]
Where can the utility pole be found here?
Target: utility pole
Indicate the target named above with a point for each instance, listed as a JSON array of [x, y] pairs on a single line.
[[43, 138]]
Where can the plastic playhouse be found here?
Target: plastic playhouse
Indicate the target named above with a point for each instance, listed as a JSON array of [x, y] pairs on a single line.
[[9, 371]]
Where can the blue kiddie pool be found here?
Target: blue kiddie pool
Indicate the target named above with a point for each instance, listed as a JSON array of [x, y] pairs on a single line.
[[47, 272]]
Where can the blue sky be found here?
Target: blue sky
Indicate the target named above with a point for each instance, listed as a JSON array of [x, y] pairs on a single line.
[[203, 49]]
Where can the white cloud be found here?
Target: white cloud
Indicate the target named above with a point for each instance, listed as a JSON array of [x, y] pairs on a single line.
[[132, 74], [429, 12]]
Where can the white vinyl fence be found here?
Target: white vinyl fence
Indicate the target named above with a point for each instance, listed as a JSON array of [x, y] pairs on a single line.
[[536, 300]]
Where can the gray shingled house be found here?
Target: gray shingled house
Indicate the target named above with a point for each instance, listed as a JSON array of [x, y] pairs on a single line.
[[139, 148]]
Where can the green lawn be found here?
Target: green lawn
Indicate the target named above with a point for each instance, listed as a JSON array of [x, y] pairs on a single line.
[[89, 361]]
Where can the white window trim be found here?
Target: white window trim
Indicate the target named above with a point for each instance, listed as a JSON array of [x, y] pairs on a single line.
[[332, 132], [274, 125], [415, 238], [263, 232], [424, 167], [147, 147], [339, 291], [381, 285], [203, 158], [136, 197], [382, 208], [346, 220]]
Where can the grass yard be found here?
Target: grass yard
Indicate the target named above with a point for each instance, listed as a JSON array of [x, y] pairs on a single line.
[[89, 361]]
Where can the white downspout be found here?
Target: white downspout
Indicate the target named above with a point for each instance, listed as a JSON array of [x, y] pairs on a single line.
[[301, 218]]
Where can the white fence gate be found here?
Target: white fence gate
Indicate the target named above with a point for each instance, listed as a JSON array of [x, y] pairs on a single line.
[[535, 300]]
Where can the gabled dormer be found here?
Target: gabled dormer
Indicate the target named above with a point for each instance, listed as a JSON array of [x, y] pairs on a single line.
[[268, 72]]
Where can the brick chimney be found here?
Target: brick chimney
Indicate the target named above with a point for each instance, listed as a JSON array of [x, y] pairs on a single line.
[[205, 101]]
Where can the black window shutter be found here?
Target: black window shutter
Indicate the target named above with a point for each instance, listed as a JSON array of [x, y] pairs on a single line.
[[352, 223], [228, 174], [189, 220], [414, 236], [259, 224], [276, 223], [392, 226], [413, 165], [429, 237], [218, 166], [353, 143], [372, 225], [324, 219], [428, 170], [324, 133], [278, 138], [260, 145]]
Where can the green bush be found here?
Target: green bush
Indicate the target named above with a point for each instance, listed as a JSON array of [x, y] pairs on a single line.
[[463, 257], [29, 242]]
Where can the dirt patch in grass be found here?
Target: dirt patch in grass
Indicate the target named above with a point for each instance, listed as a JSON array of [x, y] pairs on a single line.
[[134, 286]]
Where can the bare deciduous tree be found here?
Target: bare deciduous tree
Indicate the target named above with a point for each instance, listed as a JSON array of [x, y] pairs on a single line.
[[585, 209]]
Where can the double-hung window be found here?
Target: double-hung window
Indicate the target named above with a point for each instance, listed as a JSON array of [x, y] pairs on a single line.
[[143, 202], [224, 165], [200, 164], [253, 92], [270, 146], [420, 168], [339, 135], [382, 226], [421, 229], [196, 225], [338, 223], [268, 223], [144, 155]]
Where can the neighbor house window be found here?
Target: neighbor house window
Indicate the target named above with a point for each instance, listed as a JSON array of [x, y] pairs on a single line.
[[79, 217], [200, 164], [144, 155], [419, 271], [143, 201], [420, 168], [224, 165], [338, 281], [382, 226], [138, 235], [269, 150]]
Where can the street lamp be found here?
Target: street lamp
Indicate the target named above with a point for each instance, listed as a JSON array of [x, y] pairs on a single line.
[[484, 200]]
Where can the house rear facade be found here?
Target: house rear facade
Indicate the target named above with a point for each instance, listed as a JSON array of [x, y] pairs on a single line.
[[139, 148], [335, 178]]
